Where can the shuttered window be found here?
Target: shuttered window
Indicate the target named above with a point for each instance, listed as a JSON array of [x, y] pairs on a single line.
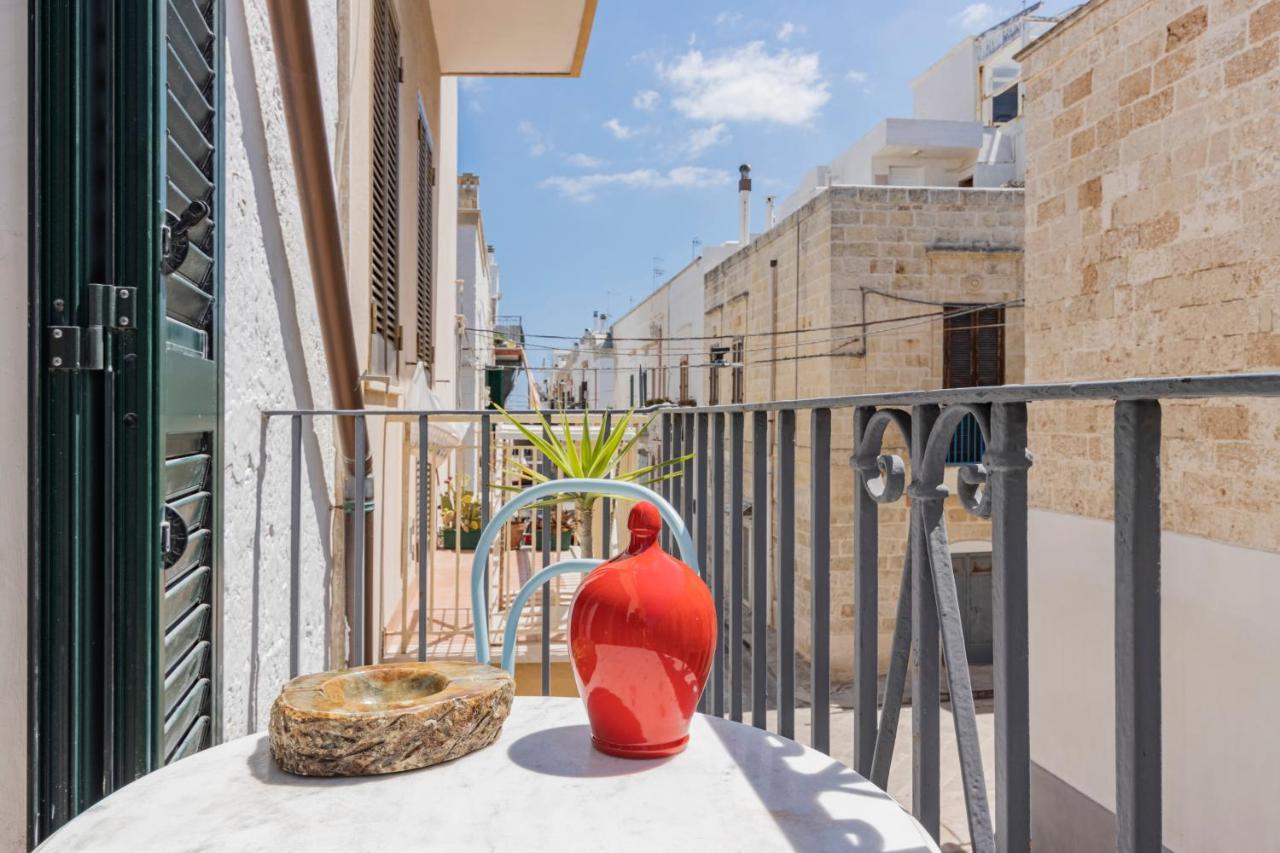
[[973, 347], [737, 355], [684, 379], [426, 182], [973, 355], [191, 303], [384, 238]]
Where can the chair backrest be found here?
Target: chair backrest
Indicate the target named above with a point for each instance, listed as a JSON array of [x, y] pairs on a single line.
[[479, 565]]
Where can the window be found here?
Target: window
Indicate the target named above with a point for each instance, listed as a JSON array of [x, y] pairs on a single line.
[[425, 349], [972, 355], [384, 232], [631, 384], [973, 346], [684, 379], [718, 357], [738, 370], [1004, 106]]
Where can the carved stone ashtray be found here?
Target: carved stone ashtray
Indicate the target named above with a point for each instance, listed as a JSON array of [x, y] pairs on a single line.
[[387, 717]]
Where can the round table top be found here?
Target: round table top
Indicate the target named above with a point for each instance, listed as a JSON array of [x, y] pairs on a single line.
[[540, 787]]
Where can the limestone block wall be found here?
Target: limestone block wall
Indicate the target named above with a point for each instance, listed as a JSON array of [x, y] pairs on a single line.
[[1153, 245], [800, 294]]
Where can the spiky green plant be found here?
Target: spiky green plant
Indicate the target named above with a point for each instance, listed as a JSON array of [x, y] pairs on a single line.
[[589, 458]]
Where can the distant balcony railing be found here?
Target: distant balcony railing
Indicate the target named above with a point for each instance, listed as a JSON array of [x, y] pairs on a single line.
[[509, 328], [746, 453]]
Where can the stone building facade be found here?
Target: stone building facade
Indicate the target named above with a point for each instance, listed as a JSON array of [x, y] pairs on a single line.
[[1153, 247], [791, 306]]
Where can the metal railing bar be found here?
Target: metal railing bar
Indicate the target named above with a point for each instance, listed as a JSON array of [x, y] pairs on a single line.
[[606, 503], [1137, 638], [702, 518], [1172, 387], [544, 653], [736, 553], [358, 504], [787, 573], [960, 688], [295, 547], [668, 485], [425, 545], [485, 488], [820, 577], [759, 564], [895, 683], [1007, 462], [925, 712], [866, 595], [716, 509]]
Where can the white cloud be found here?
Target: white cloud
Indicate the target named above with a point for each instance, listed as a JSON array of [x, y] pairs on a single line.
[[727, 19], [646, 100], [975, 17], [748, 84], [534, 138], [789, 29], [473, 84], [583, 161], [702, 138], [861, 79], [618, 129], [584, 188]]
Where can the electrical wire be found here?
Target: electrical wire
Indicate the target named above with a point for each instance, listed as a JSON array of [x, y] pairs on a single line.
[[905, 322]]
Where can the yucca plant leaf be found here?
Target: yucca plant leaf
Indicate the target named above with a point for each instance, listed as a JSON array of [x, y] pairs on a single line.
[[648, 469], [609, 456], [571, 449], [549, 448]]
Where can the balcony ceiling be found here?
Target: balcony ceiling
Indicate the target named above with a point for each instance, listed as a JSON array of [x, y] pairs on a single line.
[[505, 38]]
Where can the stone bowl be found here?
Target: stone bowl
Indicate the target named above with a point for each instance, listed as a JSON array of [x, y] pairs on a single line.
[[387, 717]]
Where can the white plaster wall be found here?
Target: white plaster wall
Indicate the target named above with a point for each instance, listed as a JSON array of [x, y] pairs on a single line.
[[274, 359], [948, 89], [13, 426], [446, 250], [677, 307], [1219, 641]]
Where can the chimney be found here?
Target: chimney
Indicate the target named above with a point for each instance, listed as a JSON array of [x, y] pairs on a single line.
[[744, 204], [468, 191], [768, 212]]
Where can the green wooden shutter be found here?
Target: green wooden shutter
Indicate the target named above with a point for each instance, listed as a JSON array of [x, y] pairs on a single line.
[[425, 349], [190, 367], [125, 435], [384, 236]]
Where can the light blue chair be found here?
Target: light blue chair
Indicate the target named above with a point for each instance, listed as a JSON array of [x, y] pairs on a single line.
[[607, 488]]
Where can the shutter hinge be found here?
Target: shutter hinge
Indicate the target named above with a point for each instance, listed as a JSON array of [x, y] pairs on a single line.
[[109, 309]]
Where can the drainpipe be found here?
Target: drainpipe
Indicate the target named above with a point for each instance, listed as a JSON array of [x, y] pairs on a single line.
[[304, 116], [744, 204]]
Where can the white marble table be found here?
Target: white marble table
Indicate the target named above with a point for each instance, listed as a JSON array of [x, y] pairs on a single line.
[[539, 787]]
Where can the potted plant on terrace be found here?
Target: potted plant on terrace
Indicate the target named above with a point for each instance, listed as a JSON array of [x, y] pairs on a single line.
[[460, 525], [589, 457]]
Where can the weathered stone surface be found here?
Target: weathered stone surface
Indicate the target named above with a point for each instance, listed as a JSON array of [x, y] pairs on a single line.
[[388, 717]]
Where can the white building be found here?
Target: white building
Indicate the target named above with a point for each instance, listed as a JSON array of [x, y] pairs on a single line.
[[582, 376], [479, 293], [658, 348], [965, 128]]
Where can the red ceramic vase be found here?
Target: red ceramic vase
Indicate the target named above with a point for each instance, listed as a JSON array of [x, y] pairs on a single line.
[[642, 630]]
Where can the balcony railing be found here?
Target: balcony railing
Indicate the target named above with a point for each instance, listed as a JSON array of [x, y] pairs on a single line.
[[746, 467]]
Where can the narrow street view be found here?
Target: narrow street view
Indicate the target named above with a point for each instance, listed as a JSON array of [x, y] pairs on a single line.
[[549, 425]]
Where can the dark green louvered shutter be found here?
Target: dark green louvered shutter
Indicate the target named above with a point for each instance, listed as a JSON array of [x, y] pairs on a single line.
[[384, 231], [425, 349], [190, 368], [126, 353]]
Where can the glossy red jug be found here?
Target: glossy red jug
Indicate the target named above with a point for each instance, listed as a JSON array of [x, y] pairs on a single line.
[[642, 630]]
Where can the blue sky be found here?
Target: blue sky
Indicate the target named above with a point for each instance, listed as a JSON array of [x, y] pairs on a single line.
[[585, 181]]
